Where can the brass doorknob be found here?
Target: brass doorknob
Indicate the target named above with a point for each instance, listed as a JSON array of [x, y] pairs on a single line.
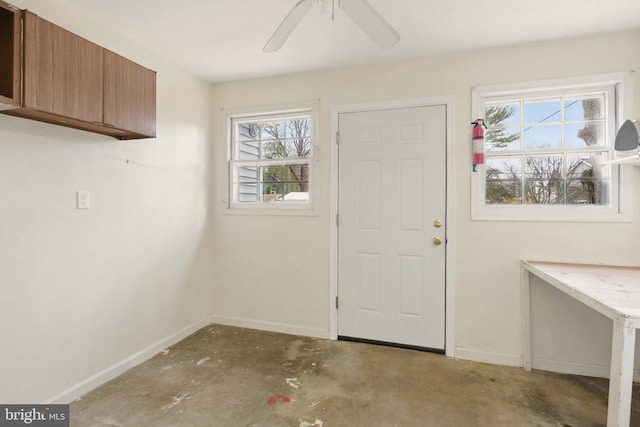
[[437, 241]]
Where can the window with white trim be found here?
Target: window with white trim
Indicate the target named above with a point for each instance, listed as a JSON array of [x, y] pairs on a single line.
[[546, 152], [271, 160]]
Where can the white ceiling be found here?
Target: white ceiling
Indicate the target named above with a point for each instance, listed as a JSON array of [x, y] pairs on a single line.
[[222, 40]]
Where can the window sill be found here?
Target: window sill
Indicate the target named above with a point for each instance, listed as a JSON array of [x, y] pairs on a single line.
[[547, 214], [270, 211]]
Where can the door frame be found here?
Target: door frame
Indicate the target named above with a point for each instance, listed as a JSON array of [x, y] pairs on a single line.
[[336, 110]]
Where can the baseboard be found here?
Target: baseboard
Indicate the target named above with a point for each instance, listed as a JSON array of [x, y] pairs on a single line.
[[574, 368], [551, 365], [270, 326], [564, 367], [83, 387], [488, 357]]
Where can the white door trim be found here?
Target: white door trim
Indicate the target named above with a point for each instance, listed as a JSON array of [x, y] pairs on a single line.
[[336, 110]]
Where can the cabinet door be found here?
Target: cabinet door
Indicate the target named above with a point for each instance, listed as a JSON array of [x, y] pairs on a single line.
[[63, 72], [129, 95]]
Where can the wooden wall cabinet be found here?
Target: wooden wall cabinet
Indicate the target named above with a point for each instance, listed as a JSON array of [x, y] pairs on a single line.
[[70, 81]]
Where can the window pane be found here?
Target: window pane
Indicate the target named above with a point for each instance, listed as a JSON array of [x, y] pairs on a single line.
[[286, 140], [298, 147], [297, 178], [541, 112], [584, 109], [295, 196], [544, 192], [502, 115], [272, 174], [287, 148], [584, 134], [274, 149], [578, 164], [247, 131], [272, 192], [502, 139], [272, 131], [587, 179], [248, 150], [246, 179], [247, 174], [288, 183], [504, 182], [298, 128], [587, 191], [245, 183], [248, 193], [542, 137], [544, 183]]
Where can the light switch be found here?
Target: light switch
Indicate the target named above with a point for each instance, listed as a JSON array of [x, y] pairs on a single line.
[[83, 199]]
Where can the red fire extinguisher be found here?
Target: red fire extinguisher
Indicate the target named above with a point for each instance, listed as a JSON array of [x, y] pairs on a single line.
[[478, 143]]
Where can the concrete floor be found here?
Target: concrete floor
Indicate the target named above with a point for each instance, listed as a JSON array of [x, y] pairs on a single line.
[[226, 376]]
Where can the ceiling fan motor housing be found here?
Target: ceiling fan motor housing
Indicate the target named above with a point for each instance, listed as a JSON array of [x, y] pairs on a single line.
[[326, 6]]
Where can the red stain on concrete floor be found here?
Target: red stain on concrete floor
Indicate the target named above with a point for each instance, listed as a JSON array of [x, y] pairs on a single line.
[[278, 398]]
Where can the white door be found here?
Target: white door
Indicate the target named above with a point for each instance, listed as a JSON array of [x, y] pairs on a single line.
[[391, 207]]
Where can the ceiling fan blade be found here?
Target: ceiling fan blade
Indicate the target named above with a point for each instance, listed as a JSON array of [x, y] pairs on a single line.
[[371, 22], [287, 25]]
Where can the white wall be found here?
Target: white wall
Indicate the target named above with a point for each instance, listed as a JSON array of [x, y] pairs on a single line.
[[487, 254], [84, 291]]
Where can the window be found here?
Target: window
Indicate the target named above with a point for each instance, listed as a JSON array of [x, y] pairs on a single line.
[[546, 152], [271, 163]]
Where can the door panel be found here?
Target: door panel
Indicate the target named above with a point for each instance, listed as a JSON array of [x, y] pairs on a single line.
[[129, 95], [392, 186]]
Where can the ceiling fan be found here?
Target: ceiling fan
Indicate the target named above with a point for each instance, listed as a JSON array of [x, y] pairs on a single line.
[[360, 12]]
